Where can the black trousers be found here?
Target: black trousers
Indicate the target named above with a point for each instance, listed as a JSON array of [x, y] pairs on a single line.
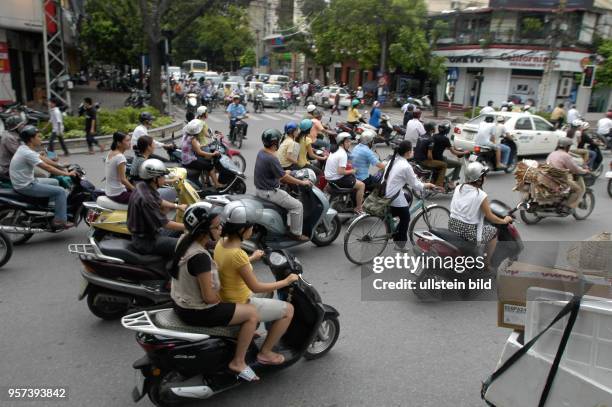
[[61, 140], [401, 233], [159, 245], [91, 140]]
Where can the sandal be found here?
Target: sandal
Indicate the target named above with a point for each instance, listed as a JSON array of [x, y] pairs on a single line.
[[248, 375], [280, 359]]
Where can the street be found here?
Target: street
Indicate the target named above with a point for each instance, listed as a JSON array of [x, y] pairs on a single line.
[[390, 353]]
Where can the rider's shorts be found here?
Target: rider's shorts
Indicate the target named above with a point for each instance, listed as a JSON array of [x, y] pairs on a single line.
[[269, 309]]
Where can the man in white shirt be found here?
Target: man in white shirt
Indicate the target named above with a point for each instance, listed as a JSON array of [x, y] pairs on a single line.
[[604, 125], [336, 172], [488, 109], [486, 136], [57, 125], [414, 128], [573, 114], [146, 121]]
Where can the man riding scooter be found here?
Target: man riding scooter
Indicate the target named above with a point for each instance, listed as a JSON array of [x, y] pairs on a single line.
[[146, 215], [362, 158], [336, 171], [269, 174], [487, 137], [236, 110], [561, 159]]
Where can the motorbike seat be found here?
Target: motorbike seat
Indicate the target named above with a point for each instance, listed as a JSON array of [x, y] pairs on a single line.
[[335, 189], [16, 196], [466, 247], [121, 249], [108, 203], [167, 319]]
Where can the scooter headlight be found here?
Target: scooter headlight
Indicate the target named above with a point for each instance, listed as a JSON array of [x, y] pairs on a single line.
[[277, 259]]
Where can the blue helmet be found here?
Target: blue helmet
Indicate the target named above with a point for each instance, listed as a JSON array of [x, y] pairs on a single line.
[[290, 127], [305, 125]]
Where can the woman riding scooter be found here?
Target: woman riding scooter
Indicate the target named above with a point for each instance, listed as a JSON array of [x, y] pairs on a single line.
[[193, 156], [195, 286], [470, 207], [239, 282]]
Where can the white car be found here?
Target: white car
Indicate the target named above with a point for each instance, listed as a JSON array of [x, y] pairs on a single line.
[[326, 96], [532, 134], [272, 94]]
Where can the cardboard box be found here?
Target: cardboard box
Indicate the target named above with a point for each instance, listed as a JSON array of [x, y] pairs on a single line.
[[512, 285]]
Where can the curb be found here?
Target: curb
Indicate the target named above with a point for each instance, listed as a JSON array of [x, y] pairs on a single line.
[[79, 145]]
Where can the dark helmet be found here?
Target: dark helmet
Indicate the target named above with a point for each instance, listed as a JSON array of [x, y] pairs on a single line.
[[489, 118], [13, 122], [444, 128], [145, 117], [430, 127], [271, 137], [28, 132], [199, 216], [290, 127]]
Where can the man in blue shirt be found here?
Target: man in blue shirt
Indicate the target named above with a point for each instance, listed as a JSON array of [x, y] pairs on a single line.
[[375, 115], [362, 157], [234, 111]]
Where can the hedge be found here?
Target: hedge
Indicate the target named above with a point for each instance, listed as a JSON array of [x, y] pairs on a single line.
[[124, 120]]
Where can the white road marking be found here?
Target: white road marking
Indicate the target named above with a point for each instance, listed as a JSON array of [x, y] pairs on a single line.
[[285, 116]]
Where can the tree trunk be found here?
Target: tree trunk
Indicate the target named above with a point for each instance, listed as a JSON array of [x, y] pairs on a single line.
[[155, 58], [384, 48], [325, 74]]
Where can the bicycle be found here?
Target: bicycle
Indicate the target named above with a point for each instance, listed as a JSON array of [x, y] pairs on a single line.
[[285, 104], [367, 236]]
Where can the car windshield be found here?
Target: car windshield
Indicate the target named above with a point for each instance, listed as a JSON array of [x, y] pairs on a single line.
[[271, 89]]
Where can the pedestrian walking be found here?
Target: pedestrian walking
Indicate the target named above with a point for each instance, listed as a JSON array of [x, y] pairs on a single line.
[[91, 125], [336, 105], [57, 126]]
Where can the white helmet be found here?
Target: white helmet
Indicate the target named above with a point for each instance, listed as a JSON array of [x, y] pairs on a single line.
[[585, 125], [367, 136], [311, 108], [474, 171], [577, 123], [341, 137], [152, 168], [501, 119], [201, 110], [194, 127]]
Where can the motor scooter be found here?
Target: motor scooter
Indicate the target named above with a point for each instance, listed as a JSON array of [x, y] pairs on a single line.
[[191, 104], [186, 363], [116, 279], [442, 243], [486, 156], [321, 222], [22, 216]]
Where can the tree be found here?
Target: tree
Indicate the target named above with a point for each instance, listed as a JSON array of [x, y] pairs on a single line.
[[413, 52], [364, 29], [111, 32], [603, 75], [249, 58]]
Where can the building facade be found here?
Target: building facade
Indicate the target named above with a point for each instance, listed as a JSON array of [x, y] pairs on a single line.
[[501, 52]]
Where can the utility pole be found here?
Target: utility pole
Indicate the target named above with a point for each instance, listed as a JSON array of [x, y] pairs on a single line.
[[555, 43]]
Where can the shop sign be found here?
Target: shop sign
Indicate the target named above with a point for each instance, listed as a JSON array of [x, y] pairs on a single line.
[[5, 66], [466, 59]]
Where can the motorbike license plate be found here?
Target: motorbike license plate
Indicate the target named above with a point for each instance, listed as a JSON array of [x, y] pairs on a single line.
[[472, 158], [83, 289], [138, 390], [609, 174]]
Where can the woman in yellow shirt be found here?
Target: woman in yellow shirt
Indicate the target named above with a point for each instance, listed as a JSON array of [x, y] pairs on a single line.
[[289, 149], [353, 115], [306, 152], [238, 281]]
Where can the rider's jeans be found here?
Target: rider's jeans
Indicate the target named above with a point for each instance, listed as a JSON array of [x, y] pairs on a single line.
[[505, 153], [439, 167], [48, 188], [282, 198], [456, 166]]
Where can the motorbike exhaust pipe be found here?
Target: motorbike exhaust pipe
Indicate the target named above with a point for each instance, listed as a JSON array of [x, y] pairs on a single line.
[[20, 229]]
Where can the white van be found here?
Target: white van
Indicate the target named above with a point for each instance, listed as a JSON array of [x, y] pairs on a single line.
[[279, 79]]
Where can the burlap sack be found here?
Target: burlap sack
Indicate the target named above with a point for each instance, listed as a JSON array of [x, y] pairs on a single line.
[[593, 254]]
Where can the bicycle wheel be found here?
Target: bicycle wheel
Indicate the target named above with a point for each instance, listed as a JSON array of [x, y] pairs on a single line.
[[291, 107], [366, 238], [239, 137], [432, 216], [280, 107]]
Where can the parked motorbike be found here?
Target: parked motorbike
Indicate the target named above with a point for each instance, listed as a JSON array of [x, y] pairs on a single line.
[[116, 279], [533, 212], [438, 242], [185, 363], [321, 223], [22, 216], [486, 156], [137, 98]]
